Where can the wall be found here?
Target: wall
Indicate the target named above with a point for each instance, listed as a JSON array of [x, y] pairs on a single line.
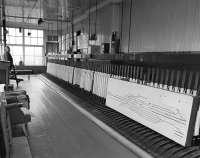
[[108, 20], [156, 25], [162, 25], [103, 23]]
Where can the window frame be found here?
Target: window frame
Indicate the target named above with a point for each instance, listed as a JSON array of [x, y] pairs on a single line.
[[24, 44]]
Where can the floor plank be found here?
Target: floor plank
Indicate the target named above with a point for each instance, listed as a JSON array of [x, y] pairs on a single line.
[[58, 130]]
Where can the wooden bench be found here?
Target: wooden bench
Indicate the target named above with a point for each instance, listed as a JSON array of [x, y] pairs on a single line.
[[24, 72]]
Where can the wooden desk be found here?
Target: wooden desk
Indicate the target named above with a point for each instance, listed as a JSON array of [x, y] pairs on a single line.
[[20, 146], [4, 72]]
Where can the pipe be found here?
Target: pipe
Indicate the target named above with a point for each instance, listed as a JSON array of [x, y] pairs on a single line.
[[4, 22]]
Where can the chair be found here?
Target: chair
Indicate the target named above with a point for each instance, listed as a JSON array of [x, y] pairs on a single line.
[[21, 98], [17, 105], [13, 76], [17, 96], [15, 92], [11, 147], [19, 115]]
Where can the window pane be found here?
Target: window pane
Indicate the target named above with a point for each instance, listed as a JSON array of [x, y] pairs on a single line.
[[40, 33], [7, 39], [17, 33], [27, 40], [25, 32], [11, 31], [17, 54], [29, 60], [18, 40], [33, 33], [38, 60], [38, 51], [29, 55], [40, 41], [12, 40], [33, 55], [29, 51], [36, 37], [33, 41], [17, 50], [17, 59]]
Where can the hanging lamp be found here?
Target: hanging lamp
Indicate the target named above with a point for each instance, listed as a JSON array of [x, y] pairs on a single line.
[[40, 20]]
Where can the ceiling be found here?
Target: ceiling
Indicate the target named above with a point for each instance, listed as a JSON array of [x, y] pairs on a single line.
[[28, 11]]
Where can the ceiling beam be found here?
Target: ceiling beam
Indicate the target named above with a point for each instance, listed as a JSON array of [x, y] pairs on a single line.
[[52, 26], [45, 19], [22, 24], [21, 5]]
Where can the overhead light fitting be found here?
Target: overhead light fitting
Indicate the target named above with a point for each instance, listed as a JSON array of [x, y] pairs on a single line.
[[40, 21], [78, 33], [20, 30]]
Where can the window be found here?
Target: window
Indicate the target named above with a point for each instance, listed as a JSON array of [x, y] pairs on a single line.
[[14, 36], [17, 54], [34, 55], [33, 37], [33, 43], [33, 47]]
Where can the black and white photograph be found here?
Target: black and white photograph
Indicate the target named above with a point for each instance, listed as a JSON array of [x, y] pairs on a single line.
[[99, 78]]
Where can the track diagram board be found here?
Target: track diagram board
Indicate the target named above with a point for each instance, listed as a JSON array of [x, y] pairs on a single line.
[[168, 113]]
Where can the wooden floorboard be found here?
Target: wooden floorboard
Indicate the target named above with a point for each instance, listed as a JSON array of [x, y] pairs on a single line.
[[58, 130]]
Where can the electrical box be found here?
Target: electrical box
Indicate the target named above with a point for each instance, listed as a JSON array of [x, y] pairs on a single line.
[[94, 50], [105, 48]]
